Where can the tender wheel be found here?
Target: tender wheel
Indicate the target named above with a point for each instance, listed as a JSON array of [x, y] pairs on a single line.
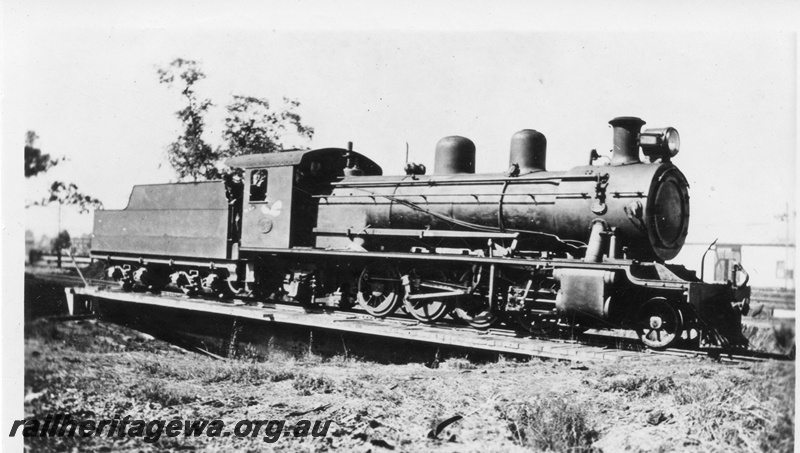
[[239, 288], [658, 323], [215, 286], [120, 274], [150, 279], [187, 282], [379, 289], [426, 310]]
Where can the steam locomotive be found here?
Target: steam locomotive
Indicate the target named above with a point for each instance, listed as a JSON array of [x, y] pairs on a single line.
[[576, 249]]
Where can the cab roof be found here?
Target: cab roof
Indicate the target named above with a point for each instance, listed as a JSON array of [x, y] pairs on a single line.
[[337, 156]]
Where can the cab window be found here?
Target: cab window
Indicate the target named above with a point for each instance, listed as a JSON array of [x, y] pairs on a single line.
[[258, 186]]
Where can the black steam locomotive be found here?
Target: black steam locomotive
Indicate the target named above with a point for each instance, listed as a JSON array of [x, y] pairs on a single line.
[[575, 249]]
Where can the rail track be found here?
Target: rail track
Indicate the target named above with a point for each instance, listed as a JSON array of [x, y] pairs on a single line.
[[593, 345]]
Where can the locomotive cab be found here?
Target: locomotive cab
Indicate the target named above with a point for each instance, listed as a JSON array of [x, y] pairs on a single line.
[[280, 208]]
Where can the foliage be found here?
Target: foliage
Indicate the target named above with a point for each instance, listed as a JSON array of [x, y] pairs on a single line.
[[62, 241], [251, 125], [64, 193], [190, 155], [61, 192], [35, 161]]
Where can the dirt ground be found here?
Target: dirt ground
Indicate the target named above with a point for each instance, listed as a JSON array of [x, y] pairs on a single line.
[[93, 369]]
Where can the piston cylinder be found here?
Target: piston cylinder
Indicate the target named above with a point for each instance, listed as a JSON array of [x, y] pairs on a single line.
[[454, 155], [597, 242]]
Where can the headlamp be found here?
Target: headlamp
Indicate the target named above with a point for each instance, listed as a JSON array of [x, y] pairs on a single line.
[[664, 142]]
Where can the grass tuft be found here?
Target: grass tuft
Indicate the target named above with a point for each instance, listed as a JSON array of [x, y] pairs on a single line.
[[282, 375], [457, 363], [306, 384], [166, 394], [642, 386], [550, 423], [251, 373]]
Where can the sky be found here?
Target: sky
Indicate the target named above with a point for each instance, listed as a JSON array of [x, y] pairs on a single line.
[[82, 74]]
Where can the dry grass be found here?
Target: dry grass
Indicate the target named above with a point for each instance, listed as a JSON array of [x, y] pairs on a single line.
[[641, 386], [742, 411], [309, 384], [166, 393], [538, 405], [458, 364], [775, 337], [550, 423], [247, 373]]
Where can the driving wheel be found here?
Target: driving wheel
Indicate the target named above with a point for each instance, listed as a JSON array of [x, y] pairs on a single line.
[[426, 309], [379, 289], [475, 308]]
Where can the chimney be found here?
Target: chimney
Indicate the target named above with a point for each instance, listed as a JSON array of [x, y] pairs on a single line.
[[626, 140]]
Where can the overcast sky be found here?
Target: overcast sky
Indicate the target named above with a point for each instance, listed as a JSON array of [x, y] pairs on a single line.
[[83, 76]]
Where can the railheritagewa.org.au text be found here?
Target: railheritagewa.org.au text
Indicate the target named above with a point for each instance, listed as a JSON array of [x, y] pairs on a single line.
[[64, 425]]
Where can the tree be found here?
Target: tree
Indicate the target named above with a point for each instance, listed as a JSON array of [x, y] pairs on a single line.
[[64, 193], [69, 194], [251, 125], [189, 155], [37, 163], [62, 241]]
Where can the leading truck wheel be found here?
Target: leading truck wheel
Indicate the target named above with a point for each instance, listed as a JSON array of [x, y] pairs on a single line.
[[379, 289], [658, 323]]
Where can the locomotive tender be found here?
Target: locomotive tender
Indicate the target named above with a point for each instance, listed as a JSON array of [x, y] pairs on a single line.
[[578, 249]]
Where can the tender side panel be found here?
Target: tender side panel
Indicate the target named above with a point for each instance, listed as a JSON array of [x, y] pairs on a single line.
[[178, 220]]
